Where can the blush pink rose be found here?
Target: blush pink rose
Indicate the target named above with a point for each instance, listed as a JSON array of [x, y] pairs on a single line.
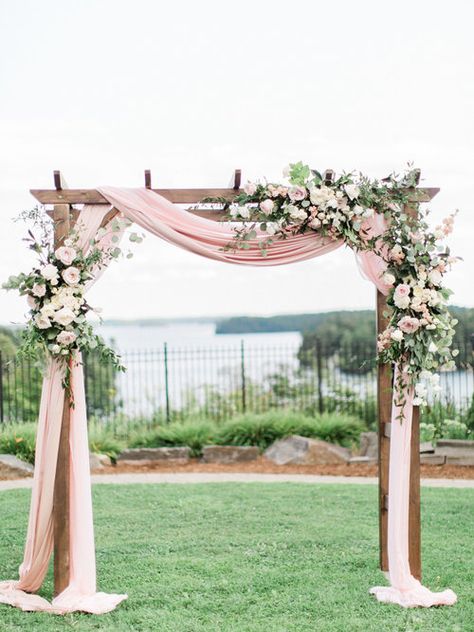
[[297, 194], [408, 324], [250, 188], [71, 275], [267, 206], [65, 254], [39, 289], [66, 338], [402, 290]]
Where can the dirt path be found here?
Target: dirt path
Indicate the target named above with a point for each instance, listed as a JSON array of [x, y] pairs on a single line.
[[235, 477]]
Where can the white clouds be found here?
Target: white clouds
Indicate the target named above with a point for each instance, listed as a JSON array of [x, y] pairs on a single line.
[[105, 89]]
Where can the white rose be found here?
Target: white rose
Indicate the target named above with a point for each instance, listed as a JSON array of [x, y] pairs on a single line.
[[397, 335], [65, 254], [388, 278], [418, 401], [71, 275], [435, 277], [369, 212], [48, 310], [296, 213], [432, 348], [64, 316], [352, 191], [42, 322], [272, 228], [55, 349], [32, 303], [234, 210], [244, 212], [39, 289], [315, 223], [49, 272], [402, 302], [358, 210]]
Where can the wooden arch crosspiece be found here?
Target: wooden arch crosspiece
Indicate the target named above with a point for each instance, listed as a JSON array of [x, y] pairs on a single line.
[[64, 216]]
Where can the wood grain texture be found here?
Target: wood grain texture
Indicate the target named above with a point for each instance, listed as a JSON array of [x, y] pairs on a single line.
[[414, 516], [384, 406], [61, 517]]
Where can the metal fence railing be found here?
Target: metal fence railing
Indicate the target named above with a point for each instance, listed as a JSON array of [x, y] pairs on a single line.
[[216, 382]]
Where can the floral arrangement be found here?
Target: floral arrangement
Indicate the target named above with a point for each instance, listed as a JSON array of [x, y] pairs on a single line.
[[420, 328], [55, 289]]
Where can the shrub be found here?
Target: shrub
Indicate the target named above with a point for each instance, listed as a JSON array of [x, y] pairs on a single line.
[[18, 439], [194, 435]]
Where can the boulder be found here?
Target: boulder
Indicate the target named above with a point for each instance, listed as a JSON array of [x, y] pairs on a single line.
[[98, 461], [229, 454], [154, 455], [432, 459], [369, 444], [426, 447], [456, 448], [304, 451], [13, 467]]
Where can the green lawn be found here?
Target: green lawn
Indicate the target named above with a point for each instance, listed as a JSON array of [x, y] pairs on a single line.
[[251, 558]]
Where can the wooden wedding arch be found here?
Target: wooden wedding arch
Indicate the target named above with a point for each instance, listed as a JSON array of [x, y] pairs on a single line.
[[63, 199]]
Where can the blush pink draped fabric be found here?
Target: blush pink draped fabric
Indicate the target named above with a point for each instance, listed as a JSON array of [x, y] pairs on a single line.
[[81, 593], [207, 238]]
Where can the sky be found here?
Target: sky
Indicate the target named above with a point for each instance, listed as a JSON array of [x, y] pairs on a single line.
[[103, 89]]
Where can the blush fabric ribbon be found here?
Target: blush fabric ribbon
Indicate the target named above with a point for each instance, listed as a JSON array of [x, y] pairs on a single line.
[[206, 238]]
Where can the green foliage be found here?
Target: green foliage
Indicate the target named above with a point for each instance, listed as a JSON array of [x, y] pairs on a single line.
[[244, 430], [18, 439]]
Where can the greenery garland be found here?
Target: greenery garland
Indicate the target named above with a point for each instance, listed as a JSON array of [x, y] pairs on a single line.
[[420, 330], [55, 288]]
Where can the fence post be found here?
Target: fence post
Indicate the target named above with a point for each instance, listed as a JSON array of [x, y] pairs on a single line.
[[1, 389], [242, 374], [167, 392], [319, 366]]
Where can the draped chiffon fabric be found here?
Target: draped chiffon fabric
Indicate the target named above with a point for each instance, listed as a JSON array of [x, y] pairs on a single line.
[[206, 238]]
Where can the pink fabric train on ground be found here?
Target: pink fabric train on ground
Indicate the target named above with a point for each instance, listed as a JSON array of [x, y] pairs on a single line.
[[207, 238]]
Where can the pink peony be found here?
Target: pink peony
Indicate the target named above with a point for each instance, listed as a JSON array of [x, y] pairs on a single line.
[[66, 337], [267, 206], [66, 255], [408, 324], [71, 275]]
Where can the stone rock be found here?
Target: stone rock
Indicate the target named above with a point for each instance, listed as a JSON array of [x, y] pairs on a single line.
[[98, 461], [369, 444], [426, 447], [432, 459], [13, 467], [229, 453], [467, 461], [304, 451], [147, 455], [458, 448]]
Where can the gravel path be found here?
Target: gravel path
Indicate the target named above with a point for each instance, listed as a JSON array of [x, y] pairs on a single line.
[[235, 477]]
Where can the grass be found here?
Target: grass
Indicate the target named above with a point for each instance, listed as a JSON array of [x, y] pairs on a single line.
[[251, 558]]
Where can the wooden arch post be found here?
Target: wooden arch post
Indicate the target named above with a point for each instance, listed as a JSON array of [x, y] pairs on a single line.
[[62, 200]]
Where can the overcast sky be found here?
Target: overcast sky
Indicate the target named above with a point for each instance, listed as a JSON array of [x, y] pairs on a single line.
[[103, 89]]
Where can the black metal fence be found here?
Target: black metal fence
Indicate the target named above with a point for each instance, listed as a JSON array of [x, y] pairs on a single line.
[[218, 382]]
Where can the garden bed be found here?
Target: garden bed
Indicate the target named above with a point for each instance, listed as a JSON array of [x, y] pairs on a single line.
[[265, 466]]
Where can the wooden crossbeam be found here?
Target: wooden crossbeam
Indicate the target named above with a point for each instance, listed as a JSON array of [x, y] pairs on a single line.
[[177, 196]]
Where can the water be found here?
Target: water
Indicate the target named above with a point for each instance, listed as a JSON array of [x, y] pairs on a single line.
[[134, 337]]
